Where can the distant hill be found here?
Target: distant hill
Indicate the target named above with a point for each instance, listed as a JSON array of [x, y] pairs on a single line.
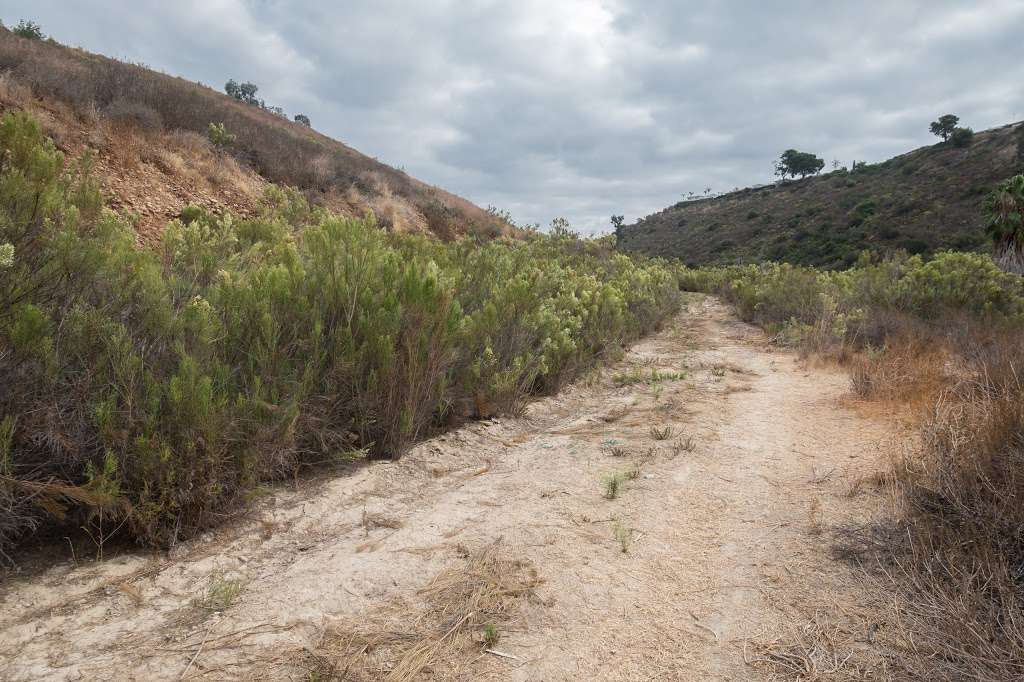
[[148, 134], [926, 200]]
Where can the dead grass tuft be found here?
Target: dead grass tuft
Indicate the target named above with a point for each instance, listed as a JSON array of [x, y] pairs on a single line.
[[465, 607], [821, 649], [911, 371]]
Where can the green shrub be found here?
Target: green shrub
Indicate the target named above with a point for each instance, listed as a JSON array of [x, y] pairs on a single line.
[[845, 305], [219, 136], [1004, 212], [961, 137], [28, 29], [243, 92], [155, 387]]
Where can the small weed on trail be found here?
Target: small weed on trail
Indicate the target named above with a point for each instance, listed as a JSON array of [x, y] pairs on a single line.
[[816, 524], [661, 433], [684, 444], [221, 592], [491, 635], [623, 535], [613, 485], [633, 473], [651, 378]]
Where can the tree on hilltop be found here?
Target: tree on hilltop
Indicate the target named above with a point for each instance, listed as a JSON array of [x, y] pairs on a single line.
[[243, 92], [945, 126], [28, 29], [794, 163]]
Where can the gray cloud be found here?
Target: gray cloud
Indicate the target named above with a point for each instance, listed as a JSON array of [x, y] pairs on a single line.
[[582, 108]]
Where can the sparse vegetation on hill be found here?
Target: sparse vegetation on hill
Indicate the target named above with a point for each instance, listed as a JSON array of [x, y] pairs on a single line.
[[148, 389], [922, 202], [76, 90]]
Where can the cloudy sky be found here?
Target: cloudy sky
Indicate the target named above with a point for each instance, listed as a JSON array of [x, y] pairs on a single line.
[[584, 108]]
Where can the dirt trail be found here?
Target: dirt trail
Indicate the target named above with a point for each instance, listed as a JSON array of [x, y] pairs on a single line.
[[724, 574]]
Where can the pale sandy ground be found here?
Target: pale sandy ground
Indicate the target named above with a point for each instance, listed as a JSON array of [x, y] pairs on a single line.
[[727, 572]]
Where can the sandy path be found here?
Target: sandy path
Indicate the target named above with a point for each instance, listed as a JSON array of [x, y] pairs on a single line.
[[720, 530]]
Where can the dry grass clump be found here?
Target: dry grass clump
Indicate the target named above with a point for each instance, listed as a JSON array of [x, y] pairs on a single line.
[[964, 612], [826, 647], [467, 607], [911, 369], [954, 558]]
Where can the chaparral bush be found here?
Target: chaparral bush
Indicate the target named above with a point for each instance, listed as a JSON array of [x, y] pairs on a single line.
[[792, 300], [151, 388]]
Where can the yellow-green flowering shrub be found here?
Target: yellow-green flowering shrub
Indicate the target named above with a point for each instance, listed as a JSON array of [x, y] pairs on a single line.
[[154, 387], [849, 305]]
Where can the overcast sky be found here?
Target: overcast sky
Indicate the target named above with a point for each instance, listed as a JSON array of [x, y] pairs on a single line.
[[584, 108]]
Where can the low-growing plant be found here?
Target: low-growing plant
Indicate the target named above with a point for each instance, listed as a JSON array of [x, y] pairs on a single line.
[[633, 472], [222, 591], [961, 137], [612, 484], [1004, 209], [662, 433], [623, 535], [219, 135], [684, 444], [653, 377]]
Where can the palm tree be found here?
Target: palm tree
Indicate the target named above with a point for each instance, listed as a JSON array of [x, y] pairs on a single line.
[[1005, 213]]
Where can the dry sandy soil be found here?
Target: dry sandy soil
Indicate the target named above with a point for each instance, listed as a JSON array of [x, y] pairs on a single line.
[[495, 551]]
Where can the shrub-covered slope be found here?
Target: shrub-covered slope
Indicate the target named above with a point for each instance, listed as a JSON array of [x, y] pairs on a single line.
[[149, 132], [148, 388], [921, 202]]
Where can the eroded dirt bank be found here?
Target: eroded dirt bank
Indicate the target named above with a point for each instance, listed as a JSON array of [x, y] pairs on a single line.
[[703, 560]]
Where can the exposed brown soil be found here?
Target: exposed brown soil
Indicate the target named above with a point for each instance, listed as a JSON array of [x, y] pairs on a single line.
[[148, 133], [711, 562]]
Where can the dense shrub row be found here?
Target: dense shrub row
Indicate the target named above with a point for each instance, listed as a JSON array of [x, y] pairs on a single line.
[[151, 387], [806, 304]]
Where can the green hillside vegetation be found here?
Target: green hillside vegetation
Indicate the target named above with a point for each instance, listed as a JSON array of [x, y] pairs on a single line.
[[150, 389], [921, 202]]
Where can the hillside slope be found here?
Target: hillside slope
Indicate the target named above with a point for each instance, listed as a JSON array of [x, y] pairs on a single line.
[[922, 201], [148, 133]]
